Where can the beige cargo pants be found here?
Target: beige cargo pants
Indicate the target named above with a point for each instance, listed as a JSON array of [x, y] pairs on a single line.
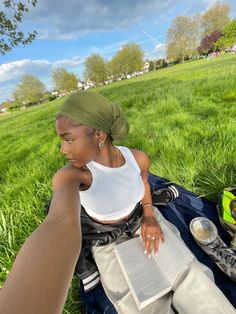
[[194, 291]]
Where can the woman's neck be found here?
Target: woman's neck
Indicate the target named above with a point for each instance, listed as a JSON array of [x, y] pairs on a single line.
[[110, 156]]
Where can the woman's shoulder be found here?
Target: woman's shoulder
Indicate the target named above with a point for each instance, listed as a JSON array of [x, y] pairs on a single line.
[[141, 158]]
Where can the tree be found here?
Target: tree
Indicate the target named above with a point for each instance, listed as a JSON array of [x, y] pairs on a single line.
[[110, 69], [64, 81], [215, 18], [29, 90], [128, 60], [183, 37], [207, 43], [228, 38], [96, 69], [161, 63], [113, 68], [10, 36], [152, 66]]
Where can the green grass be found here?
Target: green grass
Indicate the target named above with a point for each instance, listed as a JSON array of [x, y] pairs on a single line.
[[183, 116]]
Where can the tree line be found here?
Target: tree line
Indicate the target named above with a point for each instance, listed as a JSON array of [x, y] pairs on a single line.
[[31, 90], [189, 36]]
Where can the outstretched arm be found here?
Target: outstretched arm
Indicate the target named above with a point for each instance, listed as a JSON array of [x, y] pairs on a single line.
[[42, 272]]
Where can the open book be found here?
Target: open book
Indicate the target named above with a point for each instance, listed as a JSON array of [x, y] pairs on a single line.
[[149, 279]]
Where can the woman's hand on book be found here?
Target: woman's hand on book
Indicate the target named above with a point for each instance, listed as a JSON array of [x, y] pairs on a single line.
[[152, 234]]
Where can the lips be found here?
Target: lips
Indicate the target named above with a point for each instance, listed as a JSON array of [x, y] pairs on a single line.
[[71, 160]]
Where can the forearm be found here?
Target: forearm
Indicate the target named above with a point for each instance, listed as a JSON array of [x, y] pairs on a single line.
[[41, 274], [65, 203], [147, 200]]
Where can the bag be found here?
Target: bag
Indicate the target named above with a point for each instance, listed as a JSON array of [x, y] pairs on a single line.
[[227, 211]]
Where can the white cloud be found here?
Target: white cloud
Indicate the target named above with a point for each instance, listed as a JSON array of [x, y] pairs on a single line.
[[158, 52], [65, 63], [70, 19], [13, 70], [56, 34], [160, 47]]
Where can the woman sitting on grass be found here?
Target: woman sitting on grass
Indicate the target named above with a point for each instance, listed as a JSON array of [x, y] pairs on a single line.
[[117, 204]]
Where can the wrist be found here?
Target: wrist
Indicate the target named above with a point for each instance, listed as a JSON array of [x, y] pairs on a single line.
[[148, 210]]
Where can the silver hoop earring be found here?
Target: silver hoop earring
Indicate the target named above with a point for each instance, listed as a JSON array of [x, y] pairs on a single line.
[[101, 145]]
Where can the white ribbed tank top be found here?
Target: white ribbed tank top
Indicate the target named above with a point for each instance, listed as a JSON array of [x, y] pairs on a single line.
[[114, 192]]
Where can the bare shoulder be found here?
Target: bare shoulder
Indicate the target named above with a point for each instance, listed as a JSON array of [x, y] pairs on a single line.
[[83, 174], [65, 174], [142, 159]]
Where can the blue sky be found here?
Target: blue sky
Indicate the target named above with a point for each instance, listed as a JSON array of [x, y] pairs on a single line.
[[70, 30]]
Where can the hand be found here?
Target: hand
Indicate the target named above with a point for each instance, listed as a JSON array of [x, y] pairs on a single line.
[[151, 234]]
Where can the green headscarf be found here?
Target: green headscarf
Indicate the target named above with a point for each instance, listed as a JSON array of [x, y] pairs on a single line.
[[96, 111]]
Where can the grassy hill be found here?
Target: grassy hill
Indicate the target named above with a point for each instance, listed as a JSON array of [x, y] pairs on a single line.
[[183, 116]]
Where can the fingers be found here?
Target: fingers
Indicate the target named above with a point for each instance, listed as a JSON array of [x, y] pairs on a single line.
[[143, 232], [152, 236], [156, 245], [148, 246], [162, 236], [151, 242]]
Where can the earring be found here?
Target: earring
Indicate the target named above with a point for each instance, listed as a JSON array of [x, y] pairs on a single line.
[[101, 145]]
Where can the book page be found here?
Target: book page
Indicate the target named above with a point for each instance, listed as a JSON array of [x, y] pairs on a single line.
[[142, 274], [149, 279], [173, 256]]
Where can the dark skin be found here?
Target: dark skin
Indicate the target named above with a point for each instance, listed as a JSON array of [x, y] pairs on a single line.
[[80, 145]]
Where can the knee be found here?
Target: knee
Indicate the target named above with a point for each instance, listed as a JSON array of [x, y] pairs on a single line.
[[195, 275]]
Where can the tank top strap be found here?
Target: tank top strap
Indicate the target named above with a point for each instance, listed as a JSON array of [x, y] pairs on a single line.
[[129, 157]]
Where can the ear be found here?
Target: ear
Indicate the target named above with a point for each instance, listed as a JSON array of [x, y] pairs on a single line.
[[101, 136]]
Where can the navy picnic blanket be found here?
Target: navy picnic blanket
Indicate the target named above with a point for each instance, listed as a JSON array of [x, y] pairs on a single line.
[[180, 212]]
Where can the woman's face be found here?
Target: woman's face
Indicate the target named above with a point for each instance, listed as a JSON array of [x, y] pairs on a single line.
[[79, 144]]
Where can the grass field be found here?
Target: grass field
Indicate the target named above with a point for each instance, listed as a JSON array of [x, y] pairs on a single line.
[[183, 116]]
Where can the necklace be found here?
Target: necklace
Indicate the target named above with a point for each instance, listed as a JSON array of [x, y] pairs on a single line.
[[118, 159]]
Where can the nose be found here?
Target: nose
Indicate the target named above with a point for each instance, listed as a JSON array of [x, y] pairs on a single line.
[[63, 148]]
